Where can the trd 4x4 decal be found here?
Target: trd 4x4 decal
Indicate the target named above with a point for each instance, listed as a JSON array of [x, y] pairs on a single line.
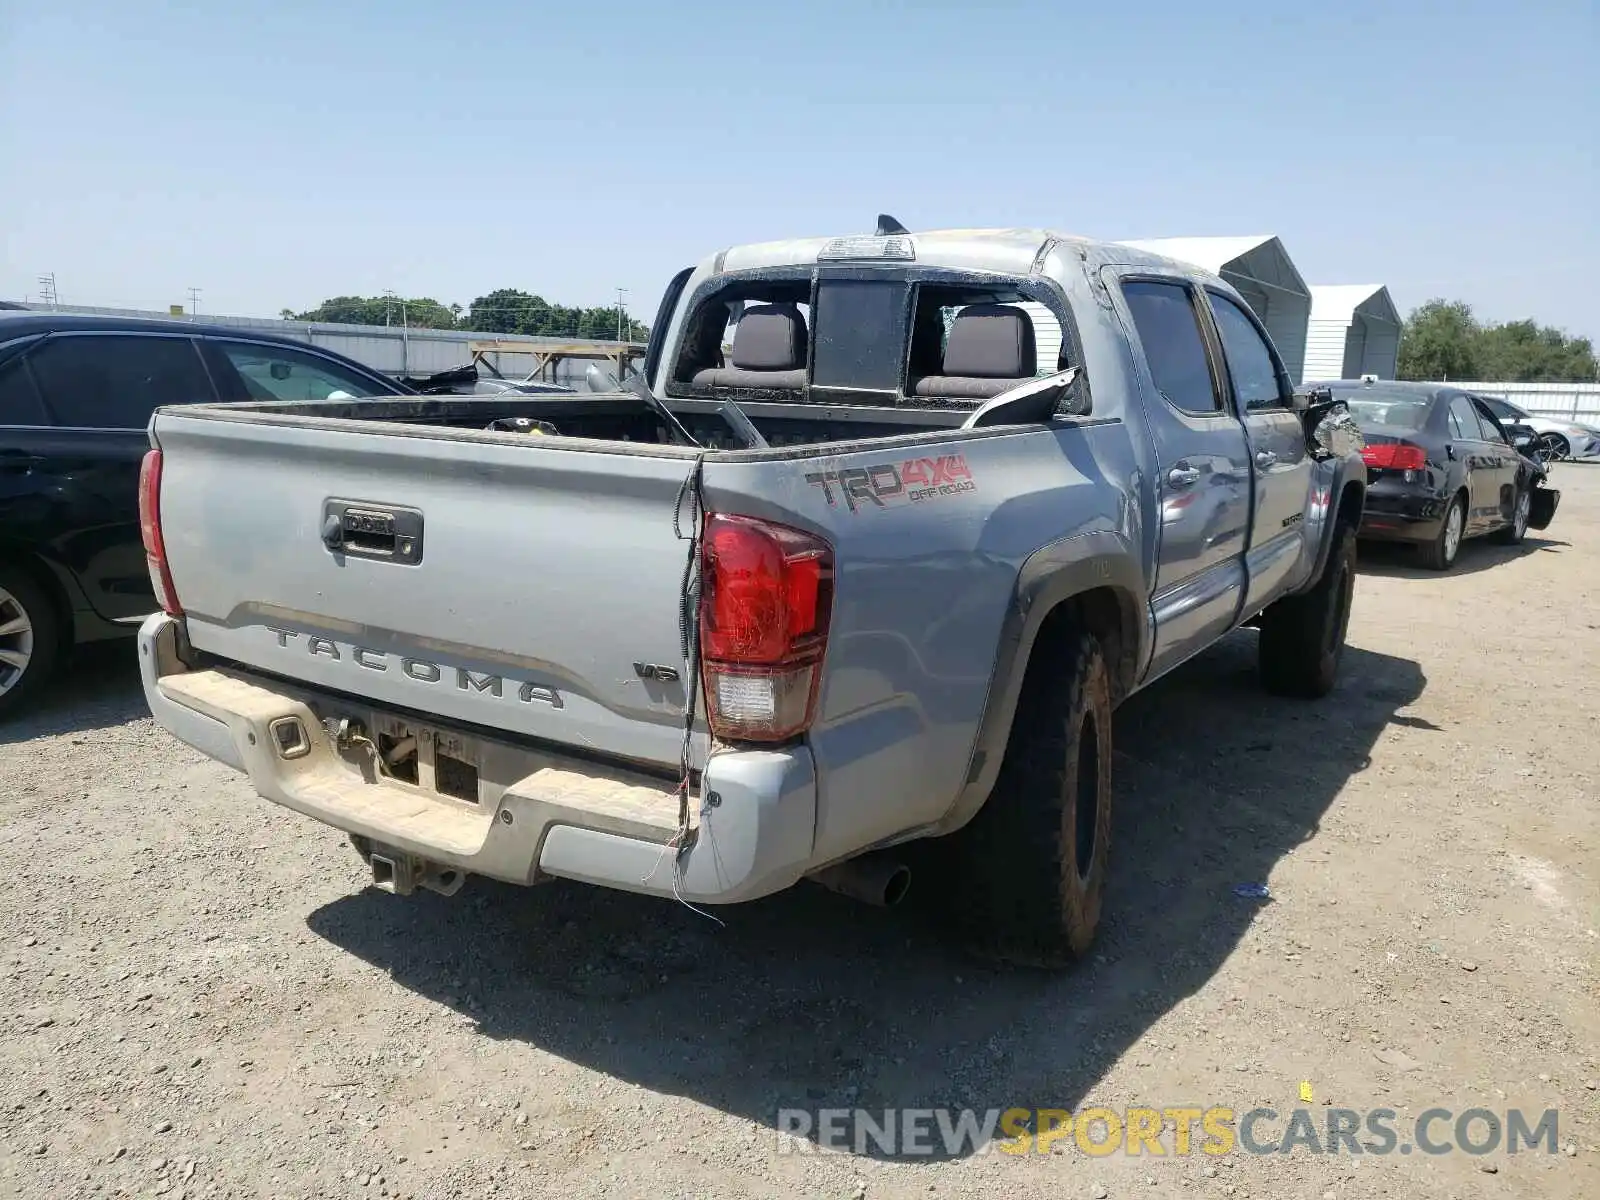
[[887, 484]]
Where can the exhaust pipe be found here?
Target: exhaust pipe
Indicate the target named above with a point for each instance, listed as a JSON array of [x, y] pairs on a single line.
[[875, 879]]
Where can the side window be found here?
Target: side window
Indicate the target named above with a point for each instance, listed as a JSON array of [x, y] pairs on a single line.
[[115, 381], [19, 399], [1250, 362], [1464, 420], [1490, 427], [279, 373], [1164, 316]]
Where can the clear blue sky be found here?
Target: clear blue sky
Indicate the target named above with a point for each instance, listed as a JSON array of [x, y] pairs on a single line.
[[276, 153]]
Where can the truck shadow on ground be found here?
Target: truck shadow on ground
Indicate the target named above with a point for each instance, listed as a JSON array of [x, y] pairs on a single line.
[[1395, 560], [806, 1000], [98, 688]]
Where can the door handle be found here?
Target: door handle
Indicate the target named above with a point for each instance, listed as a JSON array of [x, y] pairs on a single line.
[[1265, 458], [1182, 477], [18, 462]]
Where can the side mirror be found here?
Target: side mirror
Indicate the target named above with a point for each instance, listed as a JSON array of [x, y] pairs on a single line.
[[1303, 402], [1331, 432], [1522, 439]]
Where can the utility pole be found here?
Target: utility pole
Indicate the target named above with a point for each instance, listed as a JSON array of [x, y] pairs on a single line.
[[194, 302], [621, 292], [47, 289], [389, 298]]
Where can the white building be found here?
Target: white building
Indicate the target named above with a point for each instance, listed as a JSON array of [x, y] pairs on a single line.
[[1261, 270], [1354, 331]]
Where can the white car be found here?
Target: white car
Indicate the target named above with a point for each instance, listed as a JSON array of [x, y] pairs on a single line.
[[1558, 437]]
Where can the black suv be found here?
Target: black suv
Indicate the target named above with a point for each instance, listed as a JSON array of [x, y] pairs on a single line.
[[76, 393]]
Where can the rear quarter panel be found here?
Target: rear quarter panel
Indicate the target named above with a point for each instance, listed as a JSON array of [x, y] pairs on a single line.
[[930, 545]]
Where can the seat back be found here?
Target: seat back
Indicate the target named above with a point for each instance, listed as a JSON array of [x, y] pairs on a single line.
[[769, 351], [990, 349]]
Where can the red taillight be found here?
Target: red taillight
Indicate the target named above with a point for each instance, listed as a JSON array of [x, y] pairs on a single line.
[[155, 547], [1395, 456], [766, 597]]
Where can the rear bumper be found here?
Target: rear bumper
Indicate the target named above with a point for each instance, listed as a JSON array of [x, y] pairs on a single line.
[[1396, 511], [537, 814]]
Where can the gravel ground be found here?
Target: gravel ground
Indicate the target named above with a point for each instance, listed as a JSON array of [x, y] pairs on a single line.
[[199, 997]]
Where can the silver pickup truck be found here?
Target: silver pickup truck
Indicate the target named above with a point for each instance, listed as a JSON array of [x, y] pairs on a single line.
[[853, 578]]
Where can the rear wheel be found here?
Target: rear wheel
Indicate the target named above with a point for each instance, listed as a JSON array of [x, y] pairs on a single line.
[[1302, 637], [1440, 554], [29, 638], [1521, 507], [1027, 875]]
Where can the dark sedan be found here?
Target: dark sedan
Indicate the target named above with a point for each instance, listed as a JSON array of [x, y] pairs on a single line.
[[76, 393], [1441, 469]]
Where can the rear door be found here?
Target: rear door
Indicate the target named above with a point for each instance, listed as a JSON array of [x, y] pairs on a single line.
[[1481, 464], [1506, 462], [1203, 478], [98, 391], [24, 434], [1278, 455]]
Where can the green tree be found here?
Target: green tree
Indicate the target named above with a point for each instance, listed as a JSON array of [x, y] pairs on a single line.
[[602, 323], [504, 310], [1439, 342], [418, 313], [1526, 352], [507, 310], [1442, 340]]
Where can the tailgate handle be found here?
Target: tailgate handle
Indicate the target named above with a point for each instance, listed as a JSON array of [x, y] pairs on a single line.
[[385, 532]]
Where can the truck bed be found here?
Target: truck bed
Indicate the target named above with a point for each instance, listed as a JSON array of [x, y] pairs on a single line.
[[620, 418], [527, 584]]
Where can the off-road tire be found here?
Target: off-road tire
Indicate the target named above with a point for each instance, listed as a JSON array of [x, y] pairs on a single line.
[[45, 648], [1521, 508], [1436, 555], [1019, 890], [1302, 637]]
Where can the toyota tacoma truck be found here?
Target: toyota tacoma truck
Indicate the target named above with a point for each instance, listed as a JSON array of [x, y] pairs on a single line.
[[855, 576]]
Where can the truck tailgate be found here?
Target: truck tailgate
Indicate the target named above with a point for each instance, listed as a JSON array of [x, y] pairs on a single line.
[[545, 598]]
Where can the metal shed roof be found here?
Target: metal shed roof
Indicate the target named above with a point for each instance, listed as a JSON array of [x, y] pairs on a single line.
[[1343, 301], [1260, 269], [1354, 331]]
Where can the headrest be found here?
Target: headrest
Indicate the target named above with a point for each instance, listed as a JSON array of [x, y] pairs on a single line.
[[990, 341], [770, 337]]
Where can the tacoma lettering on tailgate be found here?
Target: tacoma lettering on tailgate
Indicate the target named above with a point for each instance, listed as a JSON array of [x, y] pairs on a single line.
[[420, 670]]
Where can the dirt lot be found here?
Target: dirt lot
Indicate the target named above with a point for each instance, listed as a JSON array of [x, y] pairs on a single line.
[[199, 997]]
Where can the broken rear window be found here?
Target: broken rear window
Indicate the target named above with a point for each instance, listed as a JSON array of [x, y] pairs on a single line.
[[860, 337]]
